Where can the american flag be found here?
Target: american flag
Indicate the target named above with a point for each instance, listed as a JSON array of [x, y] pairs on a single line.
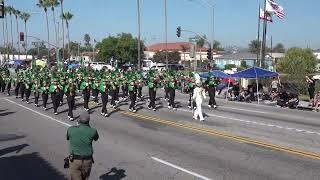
[[267, 17], [272, 6]]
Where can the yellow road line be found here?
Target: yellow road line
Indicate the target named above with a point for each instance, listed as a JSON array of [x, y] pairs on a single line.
[[228, 136]]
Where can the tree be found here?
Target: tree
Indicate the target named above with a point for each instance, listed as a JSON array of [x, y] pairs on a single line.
[[10, 11], [87, 40], [217, 46], [298, 63], [200, 41], [244, 65], [17, 14], [173, 57], [54, 4], [67, 16], [254, 46], [62, 22], [25, 17], [74, 48], [184, 50], [40, 51], [229, 66], [122, 47], [44, 4], [279, 48]]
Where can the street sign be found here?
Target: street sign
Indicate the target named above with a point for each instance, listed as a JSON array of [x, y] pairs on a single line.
[[1, 9]]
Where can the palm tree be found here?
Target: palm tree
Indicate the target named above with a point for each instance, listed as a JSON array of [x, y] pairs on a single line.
[[54, 4], [10, 11], [62, 22], [25, 17], [44, 4], [67, 16], [4, 35], [6, 11], [17, 14]]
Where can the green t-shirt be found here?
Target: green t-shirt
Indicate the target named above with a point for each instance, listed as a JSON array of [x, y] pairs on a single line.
[[80, 139]]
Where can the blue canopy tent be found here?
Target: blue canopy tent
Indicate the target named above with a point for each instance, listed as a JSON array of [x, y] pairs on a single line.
[[73, 66], [255, 73], [18, 62], [215, 73]]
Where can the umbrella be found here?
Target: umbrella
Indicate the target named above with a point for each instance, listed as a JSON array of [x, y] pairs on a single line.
[[18, 62], [40, 63]]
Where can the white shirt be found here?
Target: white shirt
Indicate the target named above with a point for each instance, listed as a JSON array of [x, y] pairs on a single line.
[[199, 93]]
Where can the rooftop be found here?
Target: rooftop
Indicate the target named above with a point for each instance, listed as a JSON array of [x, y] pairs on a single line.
[[177, 46]]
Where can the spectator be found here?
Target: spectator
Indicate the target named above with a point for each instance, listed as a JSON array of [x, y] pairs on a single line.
[[284, 98], [274, 85], [316, 102], [293, 101], [311, 86]]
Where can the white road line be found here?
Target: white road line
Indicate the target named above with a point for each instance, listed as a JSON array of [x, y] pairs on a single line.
[[180, 168], [259, 123], [61, 122]]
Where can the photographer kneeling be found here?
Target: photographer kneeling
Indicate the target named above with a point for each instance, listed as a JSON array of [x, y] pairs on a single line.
[[80, 146]]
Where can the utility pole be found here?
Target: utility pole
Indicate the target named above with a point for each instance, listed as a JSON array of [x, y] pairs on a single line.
[[166, 32], [264, 38], [139, 37]]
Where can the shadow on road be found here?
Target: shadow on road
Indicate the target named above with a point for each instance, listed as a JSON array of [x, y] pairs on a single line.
[[6, 113], [114, 174], [9, 137], [27, 166], [16, 149]]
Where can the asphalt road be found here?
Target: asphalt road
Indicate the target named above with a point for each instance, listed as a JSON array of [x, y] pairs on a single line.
[[237, 141]]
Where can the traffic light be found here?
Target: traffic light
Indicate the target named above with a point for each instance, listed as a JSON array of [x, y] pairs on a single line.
[[21, 36], [209, 54], [1, 9], [179, 31]]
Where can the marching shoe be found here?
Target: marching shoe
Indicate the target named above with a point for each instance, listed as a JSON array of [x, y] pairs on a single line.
[[189, 107], [71, 119], [174, 109], [154, 109], [55, 113], [209, 106], [134, 110], [215, 106], [106, 115], [102, 114], [149, 108], [130, 110]]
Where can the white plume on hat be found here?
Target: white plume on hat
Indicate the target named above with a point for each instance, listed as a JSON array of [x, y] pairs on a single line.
[[197, 78]]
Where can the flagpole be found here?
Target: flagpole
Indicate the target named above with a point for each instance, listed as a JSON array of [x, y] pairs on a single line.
[[264, 36], [258, 37]]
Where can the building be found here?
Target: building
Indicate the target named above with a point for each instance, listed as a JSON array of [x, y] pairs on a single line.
[[3, 57], [182, 47], [317, 53], [238, 57]]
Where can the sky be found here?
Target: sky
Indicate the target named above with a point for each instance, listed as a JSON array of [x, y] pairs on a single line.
[[235, 21]]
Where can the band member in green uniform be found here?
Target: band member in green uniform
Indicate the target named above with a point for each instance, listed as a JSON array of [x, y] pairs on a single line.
[[133, 95], [95, 90], [152, 84], [211, 87], [28, 86], [55, 91], [36, 92], [45, 94], [85, 87], [104, 91], [70, 91]]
